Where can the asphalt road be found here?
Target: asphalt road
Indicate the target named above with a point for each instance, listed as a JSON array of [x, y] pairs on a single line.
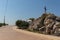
[[8, 33]]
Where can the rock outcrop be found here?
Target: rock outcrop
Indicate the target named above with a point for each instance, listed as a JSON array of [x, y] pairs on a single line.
[[48, 23], [37, 23]]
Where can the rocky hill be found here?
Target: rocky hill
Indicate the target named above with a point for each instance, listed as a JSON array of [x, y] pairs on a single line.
[[48, 23]]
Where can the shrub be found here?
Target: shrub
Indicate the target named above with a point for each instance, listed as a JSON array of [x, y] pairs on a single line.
[[22, 24], [32, 19], [1, 24]]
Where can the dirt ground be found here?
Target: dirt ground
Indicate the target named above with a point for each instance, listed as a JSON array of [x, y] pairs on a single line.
[[37, 35], [11, 33]]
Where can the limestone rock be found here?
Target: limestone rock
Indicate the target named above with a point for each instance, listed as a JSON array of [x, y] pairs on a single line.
[[48, 23]]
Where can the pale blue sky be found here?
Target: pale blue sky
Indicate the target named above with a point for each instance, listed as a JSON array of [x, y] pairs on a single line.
[[24, 9]]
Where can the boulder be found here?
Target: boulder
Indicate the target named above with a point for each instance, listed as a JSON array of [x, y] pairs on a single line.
[[58, 19], [56, 28]]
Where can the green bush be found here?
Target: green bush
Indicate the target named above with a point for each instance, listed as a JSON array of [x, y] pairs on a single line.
[[32, 19], [1, 24], [22, 24]]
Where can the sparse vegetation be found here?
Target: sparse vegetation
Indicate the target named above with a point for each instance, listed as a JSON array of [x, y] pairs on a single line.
[[32, 19], [2, 24]]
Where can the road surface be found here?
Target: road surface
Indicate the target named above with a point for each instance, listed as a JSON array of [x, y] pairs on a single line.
[[10, 33]]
